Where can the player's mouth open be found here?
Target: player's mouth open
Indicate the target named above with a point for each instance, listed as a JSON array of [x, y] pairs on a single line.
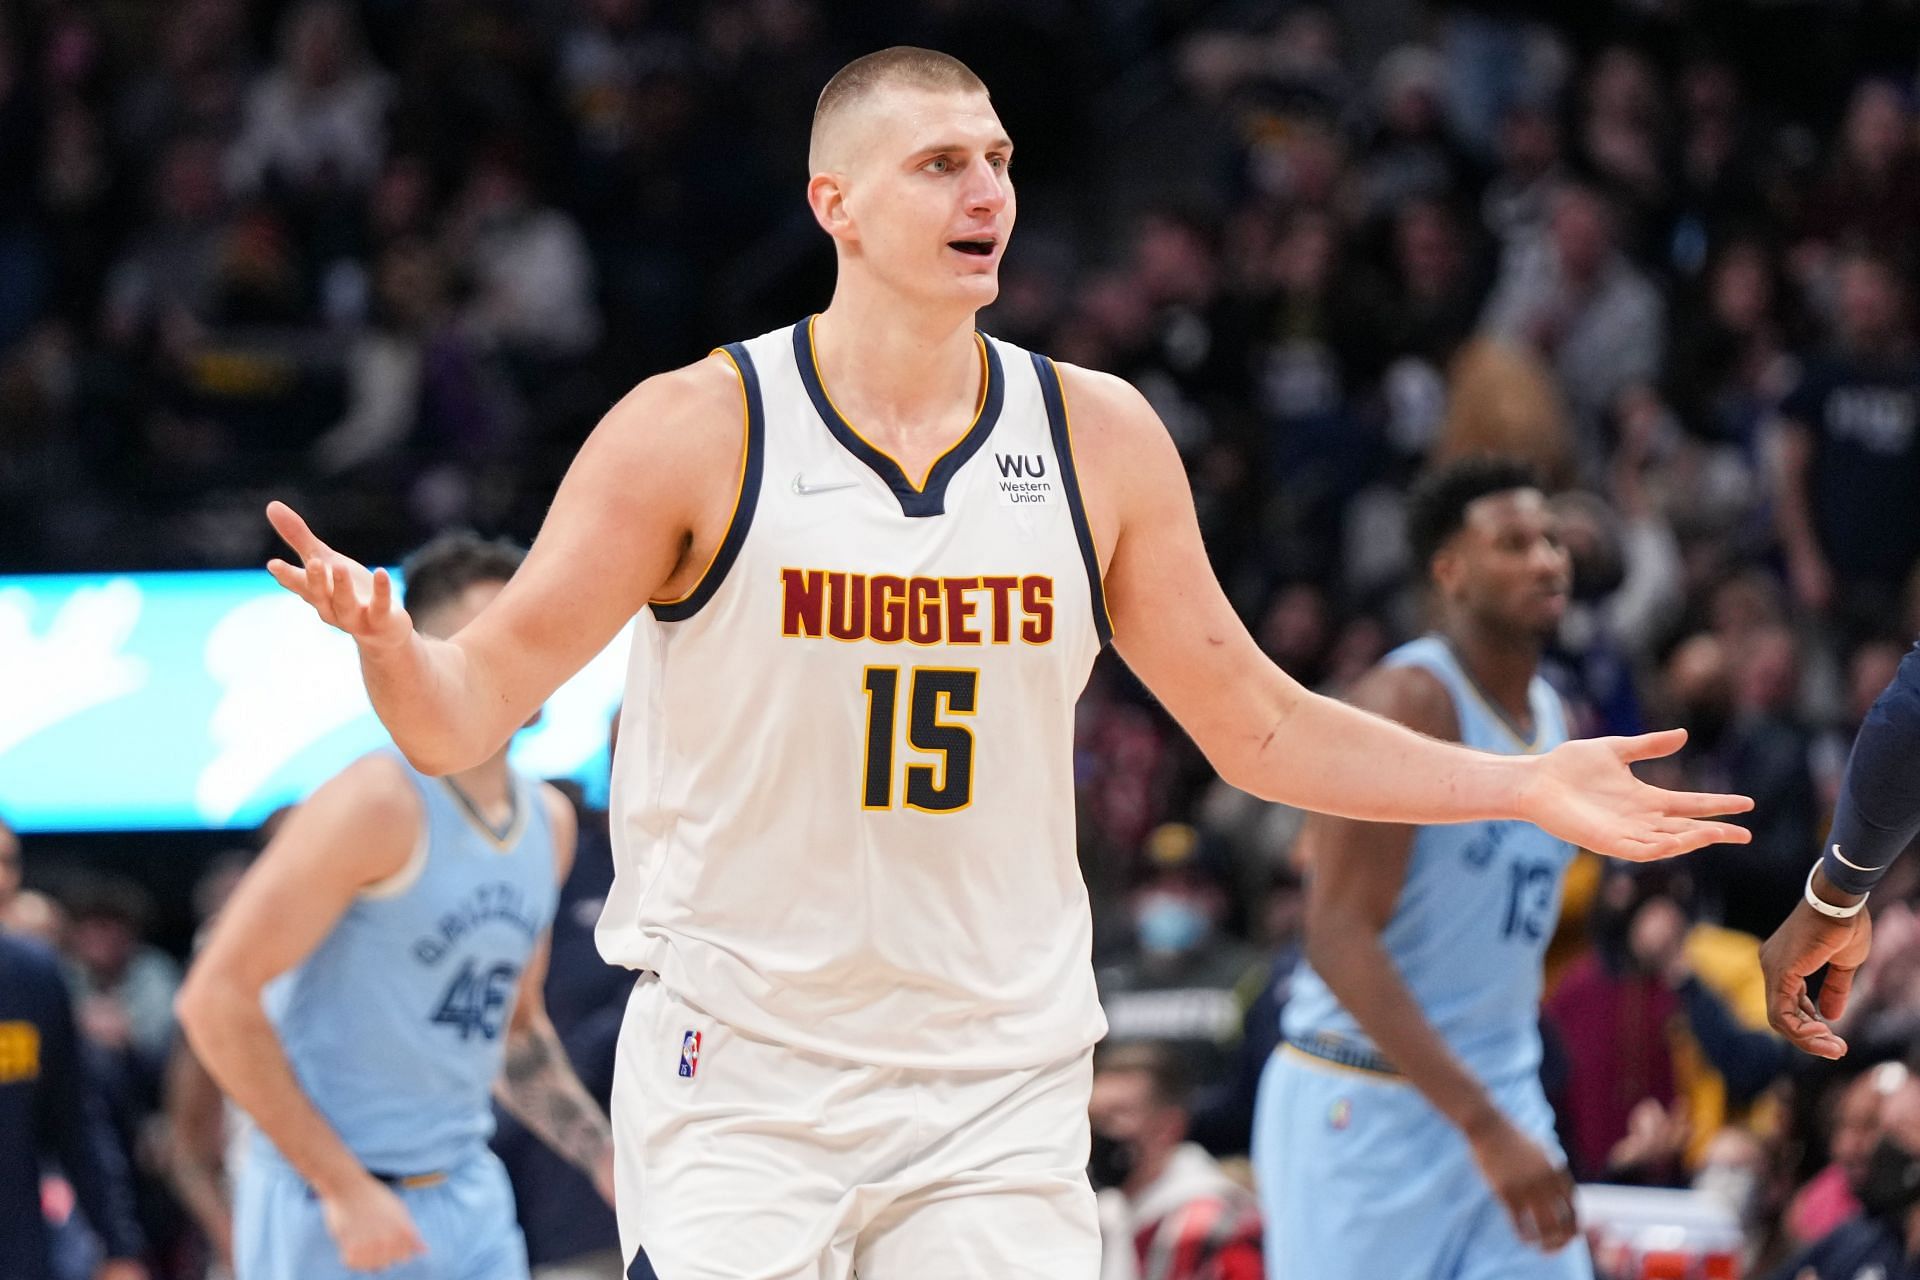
[[978, 248]]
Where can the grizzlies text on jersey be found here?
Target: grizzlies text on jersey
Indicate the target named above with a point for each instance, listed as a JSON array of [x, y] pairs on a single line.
[[395, 1024]]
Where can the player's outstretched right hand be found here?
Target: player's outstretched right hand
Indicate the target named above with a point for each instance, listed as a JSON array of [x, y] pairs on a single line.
[[342, 591], [371, 1226]]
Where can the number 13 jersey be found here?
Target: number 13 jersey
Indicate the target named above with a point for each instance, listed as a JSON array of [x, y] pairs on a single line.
[[843, 796]]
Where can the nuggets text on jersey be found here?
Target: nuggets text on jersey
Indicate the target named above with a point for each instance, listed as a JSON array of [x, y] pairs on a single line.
[[891, 609]]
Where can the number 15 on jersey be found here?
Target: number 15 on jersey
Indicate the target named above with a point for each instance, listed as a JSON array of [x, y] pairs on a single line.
[[935, 694]]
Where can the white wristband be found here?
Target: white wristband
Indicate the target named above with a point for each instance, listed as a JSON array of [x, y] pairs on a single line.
[[1827, 908]]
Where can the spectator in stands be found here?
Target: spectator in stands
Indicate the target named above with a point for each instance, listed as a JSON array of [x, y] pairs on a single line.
[[1831, 1197], [123, 984], [1762, 748], [1410, 155], [1189, 980], [1885, 1239], [169, 276], [1871, 190], [1740, 1169], [1531, 167], [528, 265], [50, 1108], [316, 123], [1621, 133], [1611, 1016], [1730, 361], [1575, 298], [1848, 459], [1730, 1059], [1169, 1211]]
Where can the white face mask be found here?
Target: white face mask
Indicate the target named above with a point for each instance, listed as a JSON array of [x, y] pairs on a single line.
[[1735, 1187]]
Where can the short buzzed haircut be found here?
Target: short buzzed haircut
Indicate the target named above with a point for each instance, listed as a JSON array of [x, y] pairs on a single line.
[[904, 64], [1437, 506], [441, 571]]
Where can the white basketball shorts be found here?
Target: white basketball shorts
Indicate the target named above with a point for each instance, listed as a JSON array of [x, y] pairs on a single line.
[[739, 1159]]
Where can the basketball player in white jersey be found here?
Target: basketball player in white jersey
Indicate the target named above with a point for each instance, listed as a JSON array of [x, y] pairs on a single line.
[[868, 560]]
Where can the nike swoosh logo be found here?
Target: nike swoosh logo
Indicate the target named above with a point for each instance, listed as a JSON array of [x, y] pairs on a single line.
[[1850, 862], [805, 490]]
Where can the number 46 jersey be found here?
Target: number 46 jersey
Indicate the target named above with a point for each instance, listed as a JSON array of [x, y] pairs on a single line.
[[843, 795], [395, 1025]]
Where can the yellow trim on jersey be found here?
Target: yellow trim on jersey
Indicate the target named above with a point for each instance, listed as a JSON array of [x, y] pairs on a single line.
[[1066, 412], [980, 407], [739, 494], [502, 841]]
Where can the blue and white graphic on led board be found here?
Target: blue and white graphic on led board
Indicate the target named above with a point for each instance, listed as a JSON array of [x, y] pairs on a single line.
[[187, 700]]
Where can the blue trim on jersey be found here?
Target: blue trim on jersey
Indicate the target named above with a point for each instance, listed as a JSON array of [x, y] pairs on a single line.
[[1053, 391], [1341, 1053], [688, 605], [640, 1268], [916, 502]]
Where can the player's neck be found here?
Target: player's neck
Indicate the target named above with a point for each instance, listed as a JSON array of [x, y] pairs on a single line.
[[1501, 664], [892, 366], [488, 787]]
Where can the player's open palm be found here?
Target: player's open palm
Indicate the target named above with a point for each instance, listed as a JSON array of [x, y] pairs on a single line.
[[371, 1227], [1536, 1189], [341, 590], [1585, 792]]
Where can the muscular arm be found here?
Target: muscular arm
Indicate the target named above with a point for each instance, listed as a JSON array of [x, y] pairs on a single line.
[[1267, 735], [537, 1084], [640, 511], [356, 830]]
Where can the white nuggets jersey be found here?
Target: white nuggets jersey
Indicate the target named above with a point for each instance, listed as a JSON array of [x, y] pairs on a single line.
[[843, 796]]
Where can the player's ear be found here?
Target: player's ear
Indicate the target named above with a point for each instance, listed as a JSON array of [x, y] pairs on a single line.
[[827, 197], [1445, 568]]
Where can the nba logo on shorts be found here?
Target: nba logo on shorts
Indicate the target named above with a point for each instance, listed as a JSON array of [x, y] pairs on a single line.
[[689, 1054]]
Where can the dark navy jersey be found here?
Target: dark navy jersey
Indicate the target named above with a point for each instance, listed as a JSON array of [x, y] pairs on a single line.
[[51, 1110]]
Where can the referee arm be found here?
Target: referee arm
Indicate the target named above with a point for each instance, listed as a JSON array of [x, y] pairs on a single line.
[[1877, 816]]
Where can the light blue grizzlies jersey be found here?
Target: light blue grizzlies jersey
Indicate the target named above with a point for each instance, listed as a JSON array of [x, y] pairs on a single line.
[[1476, 912], [396, 1024]]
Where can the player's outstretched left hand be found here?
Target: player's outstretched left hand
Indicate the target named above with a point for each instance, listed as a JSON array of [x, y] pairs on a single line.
[[1584, 792]]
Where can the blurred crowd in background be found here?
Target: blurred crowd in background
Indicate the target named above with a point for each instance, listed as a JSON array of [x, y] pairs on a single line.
[[391, 260]]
